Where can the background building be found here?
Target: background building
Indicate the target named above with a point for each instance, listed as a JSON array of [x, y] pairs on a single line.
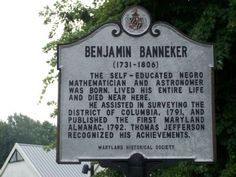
[[27, 160]]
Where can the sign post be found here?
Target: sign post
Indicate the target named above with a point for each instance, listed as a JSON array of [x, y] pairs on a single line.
[[135, 89]]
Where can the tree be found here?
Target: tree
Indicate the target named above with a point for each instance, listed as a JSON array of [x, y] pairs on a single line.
[[5, 143], [22, 129], [209, 21]]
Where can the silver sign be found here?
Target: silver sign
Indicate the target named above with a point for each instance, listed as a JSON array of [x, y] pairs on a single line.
[[146, 90]]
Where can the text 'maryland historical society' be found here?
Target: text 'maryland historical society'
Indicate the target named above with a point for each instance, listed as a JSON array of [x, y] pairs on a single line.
[[135, 87]]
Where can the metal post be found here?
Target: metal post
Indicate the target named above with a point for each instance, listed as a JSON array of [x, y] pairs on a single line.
[[136, 166]]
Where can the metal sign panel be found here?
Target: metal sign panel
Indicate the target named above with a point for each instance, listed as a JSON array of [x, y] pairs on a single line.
[[135, 88]]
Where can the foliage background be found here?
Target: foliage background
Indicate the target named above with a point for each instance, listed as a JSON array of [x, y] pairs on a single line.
[[211, 21], [22, 129]]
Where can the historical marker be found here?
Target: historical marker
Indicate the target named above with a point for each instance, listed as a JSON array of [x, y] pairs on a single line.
[[135, 87]]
